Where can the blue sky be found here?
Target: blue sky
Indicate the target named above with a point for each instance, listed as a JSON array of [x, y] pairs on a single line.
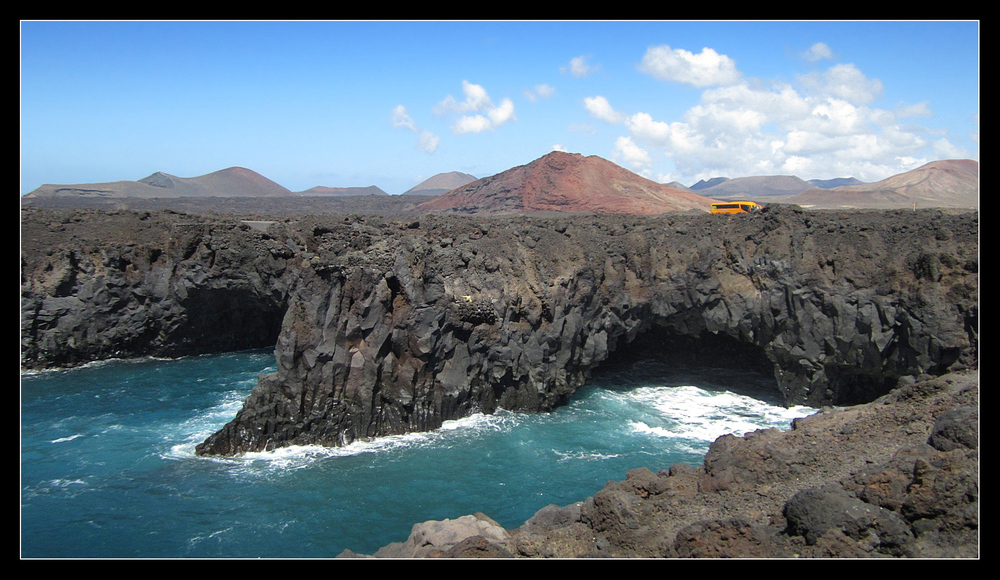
[[353, 104]]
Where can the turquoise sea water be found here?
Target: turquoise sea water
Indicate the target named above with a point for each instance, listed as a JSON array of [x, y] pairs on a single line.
[[108, 467]]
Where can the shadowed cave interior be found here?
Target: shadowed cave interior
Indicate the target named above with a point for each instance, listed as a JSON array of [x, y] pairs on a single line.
[[712, 361]]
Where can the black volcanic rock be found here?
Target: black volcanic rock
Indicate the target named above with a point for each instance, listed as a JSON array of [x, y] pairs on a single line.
[[395, 328], [389, 325], [98, 285]]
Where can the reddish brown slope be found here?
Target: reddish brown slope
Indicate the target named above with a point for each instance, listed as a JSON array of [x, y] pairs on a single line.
[[566, 182]]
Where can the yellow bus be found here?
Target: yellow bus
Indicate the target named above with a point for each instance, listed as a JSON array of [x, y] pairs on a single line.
[[735, 207]]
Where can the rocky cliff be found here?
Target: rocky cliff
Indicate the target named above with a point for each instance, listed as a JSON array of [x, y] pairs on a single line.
[[116, 284], [394, 327]]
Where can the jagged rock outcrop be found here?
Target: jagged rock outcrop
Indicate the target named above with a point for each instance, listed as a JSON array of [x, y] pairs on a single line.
[[395, 327]]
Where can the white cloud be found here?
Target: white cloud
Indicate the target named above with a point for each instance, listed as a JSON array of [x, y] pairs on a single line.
[[632, 156], [704, 69], [401, 119], [501, 114], [485, 116], [426, 141], [470, 124], [542, 91], [818, 52], [600, 107], [476, 99], [846, 82], [658, 133], [579, 67], [943, 149], [823, 127]]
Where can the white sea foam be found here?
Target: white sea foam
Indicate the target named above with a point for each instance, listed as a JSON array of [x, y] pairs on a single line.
[[584, 455], [689, 412], [294, 457]]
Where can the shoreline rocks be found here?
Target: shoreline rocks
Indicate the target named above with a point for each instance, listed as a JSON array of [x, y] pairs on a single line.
[[897, 477]]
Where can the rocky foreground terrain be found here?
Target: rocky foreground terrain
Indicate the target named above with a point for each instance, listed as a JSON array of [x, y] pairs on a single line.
[[385, 324], [898, 477]]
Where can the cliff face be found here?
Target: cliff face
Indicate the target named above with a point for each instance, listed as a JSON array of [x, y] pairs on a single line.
[[394, 327], [389, 325], [98, 285]]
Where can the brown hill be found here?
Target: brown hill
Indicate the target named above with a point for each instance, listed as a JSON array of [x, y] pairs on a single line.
[[566, 182], [946, 183], [343, 191], [441, 183], [231, 182]]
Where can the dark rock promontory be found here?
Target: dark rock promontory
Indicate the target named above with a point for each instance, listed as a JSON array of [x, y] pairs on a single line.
[[395, 326]]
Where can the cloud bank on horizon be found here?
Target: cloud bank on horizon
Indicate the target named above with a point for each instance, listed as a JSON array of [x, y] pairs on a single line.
[[822, 124]]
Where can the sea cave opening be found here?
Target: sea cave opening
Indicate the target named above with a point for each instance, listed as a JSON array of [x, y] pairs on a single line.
[[709, 360]]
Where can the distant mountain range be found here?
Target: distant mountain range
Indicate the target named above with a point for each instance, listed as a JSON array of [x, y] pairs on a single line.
[[343, 191], [232, 182], [765, 186], [571, 182], [566, 182]]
